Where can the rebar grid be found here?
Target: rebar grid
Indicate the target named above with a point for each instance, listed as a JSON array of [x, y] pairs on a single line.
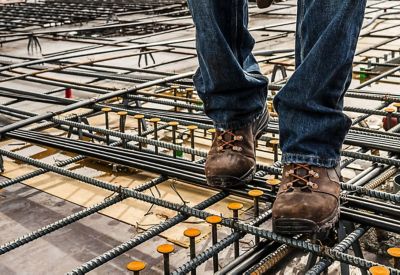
[[154, 86]]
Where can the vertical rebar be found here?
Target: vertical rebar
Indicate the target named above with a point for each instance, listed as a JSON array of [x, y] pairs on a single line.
[[122, 124], [235, 207], [256, 194], [214, 221], [107, 111], [155, 122], [192, 129], [174, 126], [139, 119]]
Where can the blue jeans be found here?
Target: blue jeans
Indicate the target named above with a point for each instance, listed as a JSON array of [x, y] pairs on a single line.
[[310, 106]]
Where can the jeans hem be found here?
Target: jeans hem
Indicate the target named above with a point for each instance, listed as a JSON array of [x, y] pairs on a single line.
[[235, 125], [290, 158]]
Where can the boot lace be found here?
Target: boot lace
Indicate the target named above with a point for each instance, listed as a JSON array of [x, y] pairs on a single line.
[[228, 143], [301, 180]]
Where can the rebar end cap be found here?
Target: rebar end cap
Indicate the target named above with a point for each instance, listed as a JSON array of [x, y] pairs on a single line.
[[235, 206], [214, 219], [136, 266], [255, 193], [192, 232], [166, 248], [394, 252], [379, 270]]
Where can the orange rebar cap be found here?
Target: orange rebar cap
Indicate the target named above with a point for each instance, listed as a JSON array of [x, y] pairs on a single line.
[[390, 110], [192, 232], [173, 123], [394, 252], [138, 116], [255, 193], [122, 113], [192, 127], [274, 141], [155, 119], [235, 206], [166, 248], [136, 266], [273, 182], [379, 270], [214, 219]]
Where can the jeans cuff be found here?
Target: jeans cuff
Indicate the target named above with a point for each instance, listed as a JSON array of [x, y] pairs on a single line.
[[289, 158], [236, 124]]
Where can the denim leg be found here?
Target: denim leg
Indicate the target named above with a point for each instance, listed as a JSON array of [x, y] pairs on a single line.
[[311, 119], [228, 80]]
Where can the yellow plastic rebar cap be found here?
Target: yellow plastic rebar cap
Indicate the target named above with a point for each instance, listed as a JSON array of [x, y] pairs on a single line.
[[192, 127], [173, 123], [122, 113], [390, 110], [106, 109], [235, 206], [273, 182], [155, 119], [214, 219], [274, 141], [255, 193], [175, 87], [379, 270], [190, 89], [166, 248], [139, 116], [394, 252], [397, 104], [136, 266], [192, 232], [212, 131]]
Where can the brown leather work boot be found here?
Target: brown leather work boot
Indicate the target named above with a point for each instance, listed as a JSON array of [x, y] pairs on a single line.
[[232, 158], [307, 201], [263, 4]]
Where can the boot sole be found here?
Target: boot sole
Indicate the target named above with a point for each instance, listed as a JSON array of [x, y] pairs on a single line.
[[230, 181], [226, 181], [294, 226]]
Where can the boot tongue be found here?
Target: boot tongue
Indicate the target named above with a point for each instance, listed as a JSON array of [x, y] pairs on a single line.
[[225, 134], [301, 172]]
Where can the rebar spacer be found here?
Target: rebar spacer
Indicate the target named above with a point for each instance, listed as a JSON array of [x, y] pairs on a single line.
[[166, 248], [136, 266], [106, 109], [214, 219], [255, 193], [235, 206], [379, 270], [192, 232]]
